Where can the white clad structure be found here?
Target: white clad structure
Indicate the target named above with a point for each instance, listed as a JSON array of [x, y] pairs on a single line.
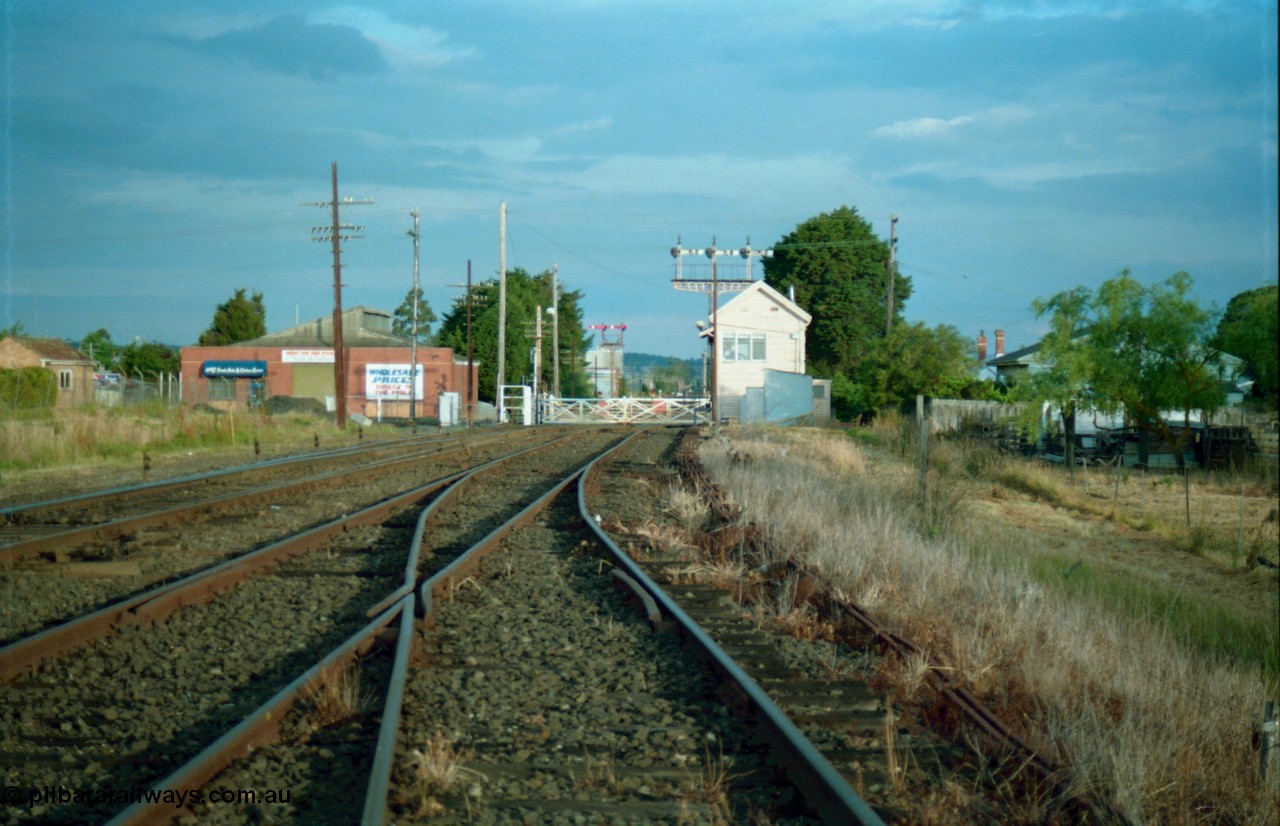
[[759, 329]]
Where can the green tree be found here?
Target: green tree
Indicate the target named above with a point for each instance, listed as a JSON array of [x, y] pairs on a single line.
[[1146, 351], [1065, 376], [17, 329], [99, 347], [239, 318], [915, 359], [402, 318], [1248, 329], [525, 294], [149, 358], [839, 270]]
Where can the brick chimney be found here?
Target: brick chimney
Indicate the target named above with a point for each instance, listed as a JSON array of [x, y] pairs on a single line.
[[999, 343], [982, 345]]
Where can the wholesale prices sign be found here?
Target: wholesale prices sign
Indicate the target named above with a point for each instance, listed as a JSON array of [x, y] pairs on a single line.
[[391, 382]]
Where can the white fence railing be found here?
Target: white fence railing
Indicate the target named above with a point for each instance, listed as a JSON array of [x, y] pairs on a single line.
[[624, 411]]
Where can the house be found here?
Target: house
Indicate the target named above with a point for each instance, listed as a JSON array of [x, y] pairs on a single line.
[[761, 357], [72, 369], [299, 362]]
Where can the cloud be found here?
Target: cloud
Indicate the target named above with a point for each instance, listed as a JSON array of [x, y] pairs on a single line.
[[290, 45], [921, 127], [585, 126], [402, 45], [936, 127]]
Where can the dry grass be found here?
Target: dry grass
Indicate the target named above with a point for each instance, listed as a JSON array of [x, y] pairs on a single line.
[[337, 698], [97, 435], [710, 787], [1137, 706], [437, 768]]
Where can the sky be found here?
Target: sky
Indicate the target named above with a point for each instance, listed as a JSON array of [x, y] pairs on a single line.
[[157, 156]]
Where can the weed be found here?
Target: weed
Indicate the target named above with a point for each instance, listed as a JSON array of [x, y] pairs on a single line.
[[439, 766], [337, 698]]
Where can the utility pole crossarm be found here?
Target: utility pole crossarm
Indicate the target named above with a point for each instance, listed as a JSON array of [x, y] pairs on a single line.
[[335, 233]]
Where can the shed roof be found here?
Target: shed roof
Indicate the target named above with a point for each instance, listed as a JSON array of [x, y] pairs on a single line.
[[361, 327]]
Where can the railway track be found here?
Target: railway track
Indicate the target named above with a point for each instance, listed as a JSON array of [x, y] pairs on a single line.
[[167, 674], [130, 539], [560, 702]]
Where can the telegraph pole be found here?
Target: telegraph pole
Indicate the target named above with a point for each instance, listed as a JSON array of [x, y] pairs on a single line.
[[335, 233], [555, 329], [893, 267], [413, 345], [469, 384], [502, 308]]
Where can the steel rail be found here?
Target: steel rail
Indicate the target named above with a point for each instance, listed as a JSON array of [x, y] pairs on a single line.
[[108, 531], [960, 697], [158, 603], [824, 788], [263, 725], [430, 590], [15, 513]]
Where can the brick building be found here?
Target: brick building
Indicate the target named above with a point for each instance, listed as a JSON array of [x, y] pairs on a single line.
[[299, 361]]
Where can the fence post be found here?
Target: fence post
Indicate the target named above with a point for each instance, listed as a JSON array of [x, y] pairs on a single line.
[[923, 409], [1270, 741]]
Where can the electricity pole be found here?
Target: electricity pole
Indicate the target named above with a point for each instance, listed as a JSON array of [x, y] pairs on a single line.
[[502, 308], [893, 266], [338, 232], [413, 345], [469, 384], [555, 330]]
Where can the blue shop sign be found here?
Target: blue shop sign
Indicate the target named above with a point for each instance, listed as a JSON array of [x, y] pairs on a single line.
[[234, 369]]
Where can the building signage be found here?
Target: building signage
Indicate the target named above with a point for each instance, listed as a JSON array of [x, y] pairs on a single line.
[[233, 369], [391, 382], [314, 356], [106, 381]]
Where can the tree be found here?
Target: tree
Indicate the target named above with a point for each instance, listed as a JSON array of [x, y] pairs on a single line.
[[149, 358], [1248, 329], [915, 359], [402, 318], [17, 329], [839, 270], [1146, 351], [525, 294], [1066, 378], [99, 347], [238, 319]]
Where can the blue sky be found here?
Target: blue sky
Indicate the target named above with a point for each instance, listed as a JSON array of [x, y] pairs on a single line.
[[156, 154]]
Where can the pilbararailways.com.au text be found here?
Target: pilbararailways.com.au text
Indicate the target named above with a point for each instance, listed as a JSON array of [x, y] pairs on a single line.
[[32, 796]]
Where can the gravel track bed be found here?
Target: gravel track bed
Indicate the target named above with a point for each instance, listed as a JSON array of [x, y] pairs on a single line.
[[571, 709], [132, 707], [32, 598], [469, 515]]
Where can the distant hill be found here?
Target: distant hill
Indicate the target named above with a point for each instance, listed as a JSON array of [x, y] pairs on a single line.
[[640, 361]]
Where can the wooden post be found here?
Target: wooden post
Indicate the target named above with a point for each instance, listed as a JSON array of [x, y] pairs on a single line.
[[923, 411], [1269, 742]]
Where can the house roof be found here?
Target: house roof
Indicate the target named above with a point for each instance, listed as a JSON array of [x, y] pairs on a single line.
[[1016, 357], [761, 289], [52, 349]]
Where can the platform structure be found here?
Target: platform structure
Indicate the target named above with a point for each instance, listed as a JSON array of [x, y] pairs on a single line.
[[637, 411]]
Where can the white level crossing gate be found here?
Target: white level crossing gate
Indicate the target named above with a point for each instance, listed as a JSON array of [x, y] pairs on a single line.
[[624, 411]]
